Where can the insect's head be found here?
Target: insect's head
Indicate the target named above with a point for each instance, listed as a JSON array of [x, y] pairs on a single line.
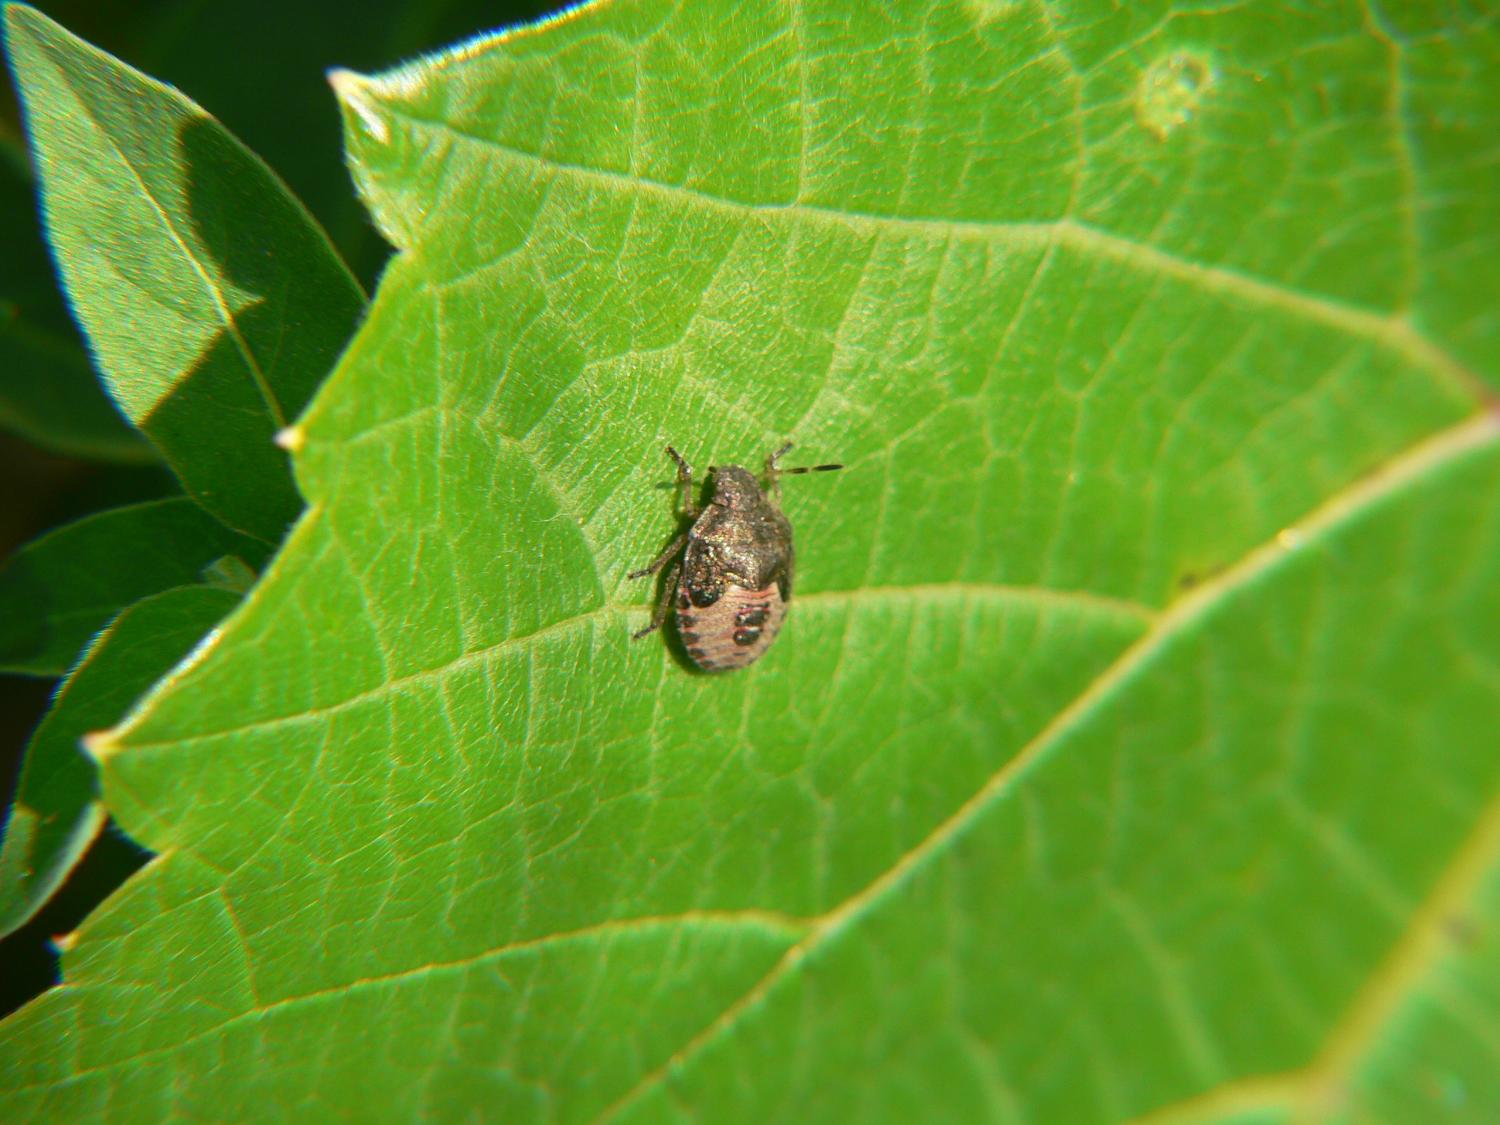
[[734, 487]]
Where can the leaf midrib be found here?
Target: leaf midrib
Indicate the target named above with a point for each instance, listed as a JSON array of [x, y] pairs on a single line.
[[1315, 1089]]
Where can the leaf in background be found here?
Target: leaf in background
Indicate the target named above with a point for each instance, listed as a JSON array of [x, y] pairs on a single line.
[[201, 47], [49, 393], [59, 590], [57, 811], [213, 304], [1129, 746]]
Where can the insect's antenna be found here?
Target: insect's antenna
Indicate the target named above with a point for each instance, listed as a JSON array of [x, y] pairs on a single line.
[[774, 470], [812, 469]]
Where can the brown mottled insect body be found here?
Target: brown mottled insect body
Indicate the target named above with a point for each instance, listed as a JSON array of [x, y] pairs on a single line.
[[732, 582]]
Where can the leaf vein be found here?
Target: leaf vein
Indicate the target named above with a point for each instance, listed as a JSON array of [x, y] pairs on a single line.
[[771, 921], [1392, 331], [1085, 601], [1448, 445]]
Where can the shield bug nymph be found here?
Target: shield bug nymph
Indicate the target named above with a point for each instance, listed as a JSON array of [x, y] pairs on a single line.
[[733, 579]]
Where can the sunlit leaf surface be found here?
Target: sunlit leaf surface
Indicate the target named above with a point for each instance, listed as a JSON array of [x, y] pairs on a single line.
[[48, 391], [1130, 746]]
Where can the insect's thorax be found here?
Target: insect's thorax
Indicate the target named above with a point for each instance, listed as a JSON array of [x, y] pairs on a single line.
[[731, 584], [746, 547]]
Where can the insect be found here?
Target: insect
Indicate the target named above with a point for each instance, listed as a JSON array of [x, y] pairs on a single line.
[[731, 585]]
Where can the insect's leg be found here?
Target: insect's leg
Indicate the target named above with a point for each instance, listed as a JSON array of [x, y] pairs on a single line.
[[685, 483], [663, 603], [771, 461], [773, 474], [662, 559]]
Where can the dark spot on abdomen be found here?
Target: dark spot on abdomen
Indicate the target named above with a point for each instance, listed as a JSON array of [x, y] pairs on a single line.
[[702, 596]]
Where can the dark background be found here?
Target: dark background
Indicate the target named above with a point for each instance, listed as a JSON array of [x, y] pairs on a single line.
[[260, 69]]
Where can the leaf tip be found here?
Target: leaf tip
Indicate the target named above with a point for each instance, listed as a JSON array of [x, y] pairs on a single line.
[[101, 744], [16, 20], [291, 438], [62, 943], [357, 93], [15, 13], [24, 22]]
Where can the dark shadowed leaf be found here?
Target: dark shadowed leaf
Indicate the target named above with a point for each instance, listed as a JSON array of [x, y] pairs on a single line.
[[59, 590], [57, 810]]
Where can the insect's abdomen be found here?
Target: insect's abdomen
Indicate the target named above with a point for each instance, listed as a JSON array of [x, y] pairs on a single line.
[[732, 632]]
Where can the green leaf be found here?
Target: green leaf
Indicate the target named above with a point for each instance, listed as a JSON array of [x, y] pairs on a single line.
[[48, 391], [1129, 747], [213, 303], [57, 811], [59, 590], [201, 48]]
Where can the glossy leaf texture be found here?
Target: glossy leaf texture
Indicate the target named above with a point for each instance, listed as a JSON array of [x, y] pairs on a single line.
[[1129, 747], [57, 811], [212, 302]]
